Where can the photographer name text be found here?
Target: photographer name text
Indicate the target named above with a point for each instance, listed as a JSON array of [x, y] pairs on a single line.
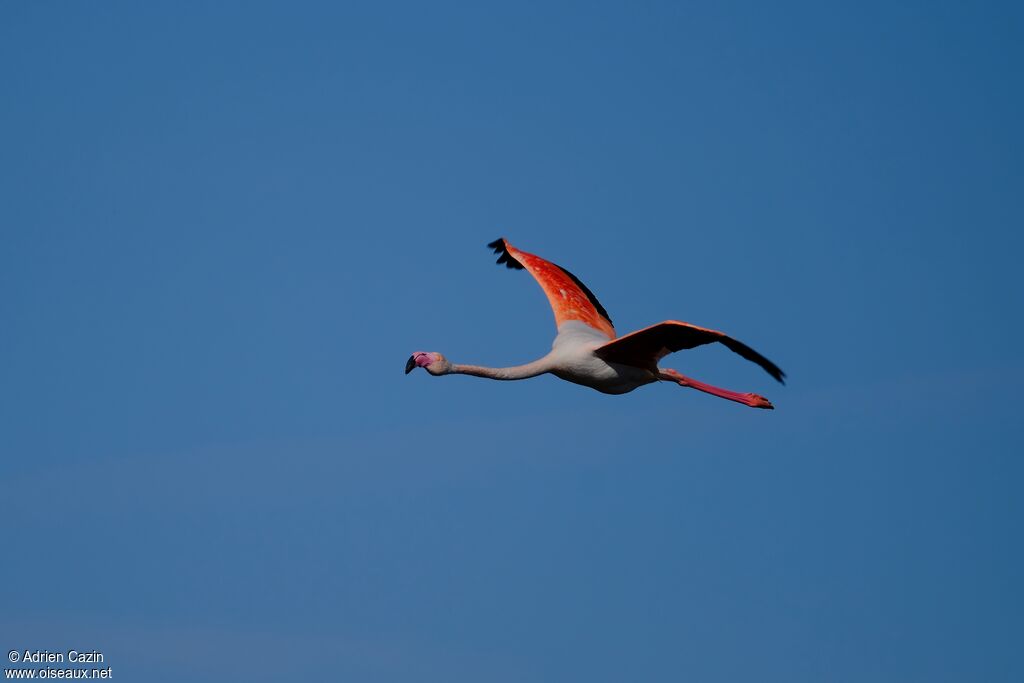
[[47, 657]]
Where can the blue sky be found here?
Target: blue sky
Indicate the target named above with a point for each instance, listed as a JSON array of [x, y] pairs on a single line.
[[225, 228]]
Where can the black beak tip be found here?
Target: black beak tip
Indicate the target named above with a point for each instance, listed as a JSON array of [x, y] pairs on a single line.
[[410, 365]]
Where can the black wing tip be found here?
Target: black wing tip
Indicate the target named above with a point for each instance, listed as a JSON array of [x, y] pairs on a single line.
[[750, 354], [771, 368], [501, 248]]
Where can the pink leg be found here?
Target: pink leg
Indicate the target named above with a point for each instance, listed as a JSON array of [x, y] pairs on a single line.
[[752, 400]]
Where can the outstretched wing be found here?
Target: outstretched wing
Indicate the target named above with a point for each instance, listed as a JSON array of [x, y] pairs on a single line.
[[569, 298], [644, 348]]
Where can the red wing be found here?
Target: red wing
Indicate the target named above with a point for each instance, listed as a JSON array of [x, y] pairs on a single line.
[[644, 348], [569, 298]]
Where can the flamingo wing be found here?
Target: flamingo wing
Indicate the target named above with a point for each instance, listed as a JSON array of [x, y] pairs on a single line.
[[644, 348], [569, 298]]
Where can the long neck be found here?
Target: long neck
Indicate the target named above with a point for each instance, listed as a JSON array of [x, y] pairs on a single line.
[[537, 367]]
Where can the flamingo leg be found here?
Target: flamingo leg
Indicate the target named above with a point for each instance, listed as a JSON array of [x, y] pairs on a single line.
[[747, 399]]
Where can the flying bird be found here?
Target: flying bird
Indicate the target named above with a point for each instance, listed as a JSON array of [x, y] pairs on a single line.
[[586, 350]]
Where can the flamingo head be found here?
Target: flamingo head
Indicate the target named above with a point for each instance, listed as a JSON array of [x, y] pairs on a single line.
[[431, 361]]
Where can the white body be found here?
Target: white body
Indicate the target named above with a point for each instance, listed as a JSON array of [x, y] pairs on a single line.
[[572, 359]]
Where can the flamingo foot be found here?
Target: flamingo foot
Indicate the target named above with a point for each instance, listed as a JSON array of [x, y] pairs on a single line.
[[747, 399]]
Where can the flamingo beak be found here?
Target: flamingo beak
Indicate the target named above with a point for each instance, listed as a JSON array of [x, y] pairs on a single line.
[[410, 364]]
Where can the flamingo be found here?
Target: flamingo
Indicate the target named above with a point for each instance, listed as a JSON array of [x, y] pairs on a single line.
[[586, 350]]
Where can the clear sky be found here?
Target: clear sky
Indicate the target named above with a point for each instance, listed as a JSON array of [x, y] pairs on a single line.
[[223, 230]]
